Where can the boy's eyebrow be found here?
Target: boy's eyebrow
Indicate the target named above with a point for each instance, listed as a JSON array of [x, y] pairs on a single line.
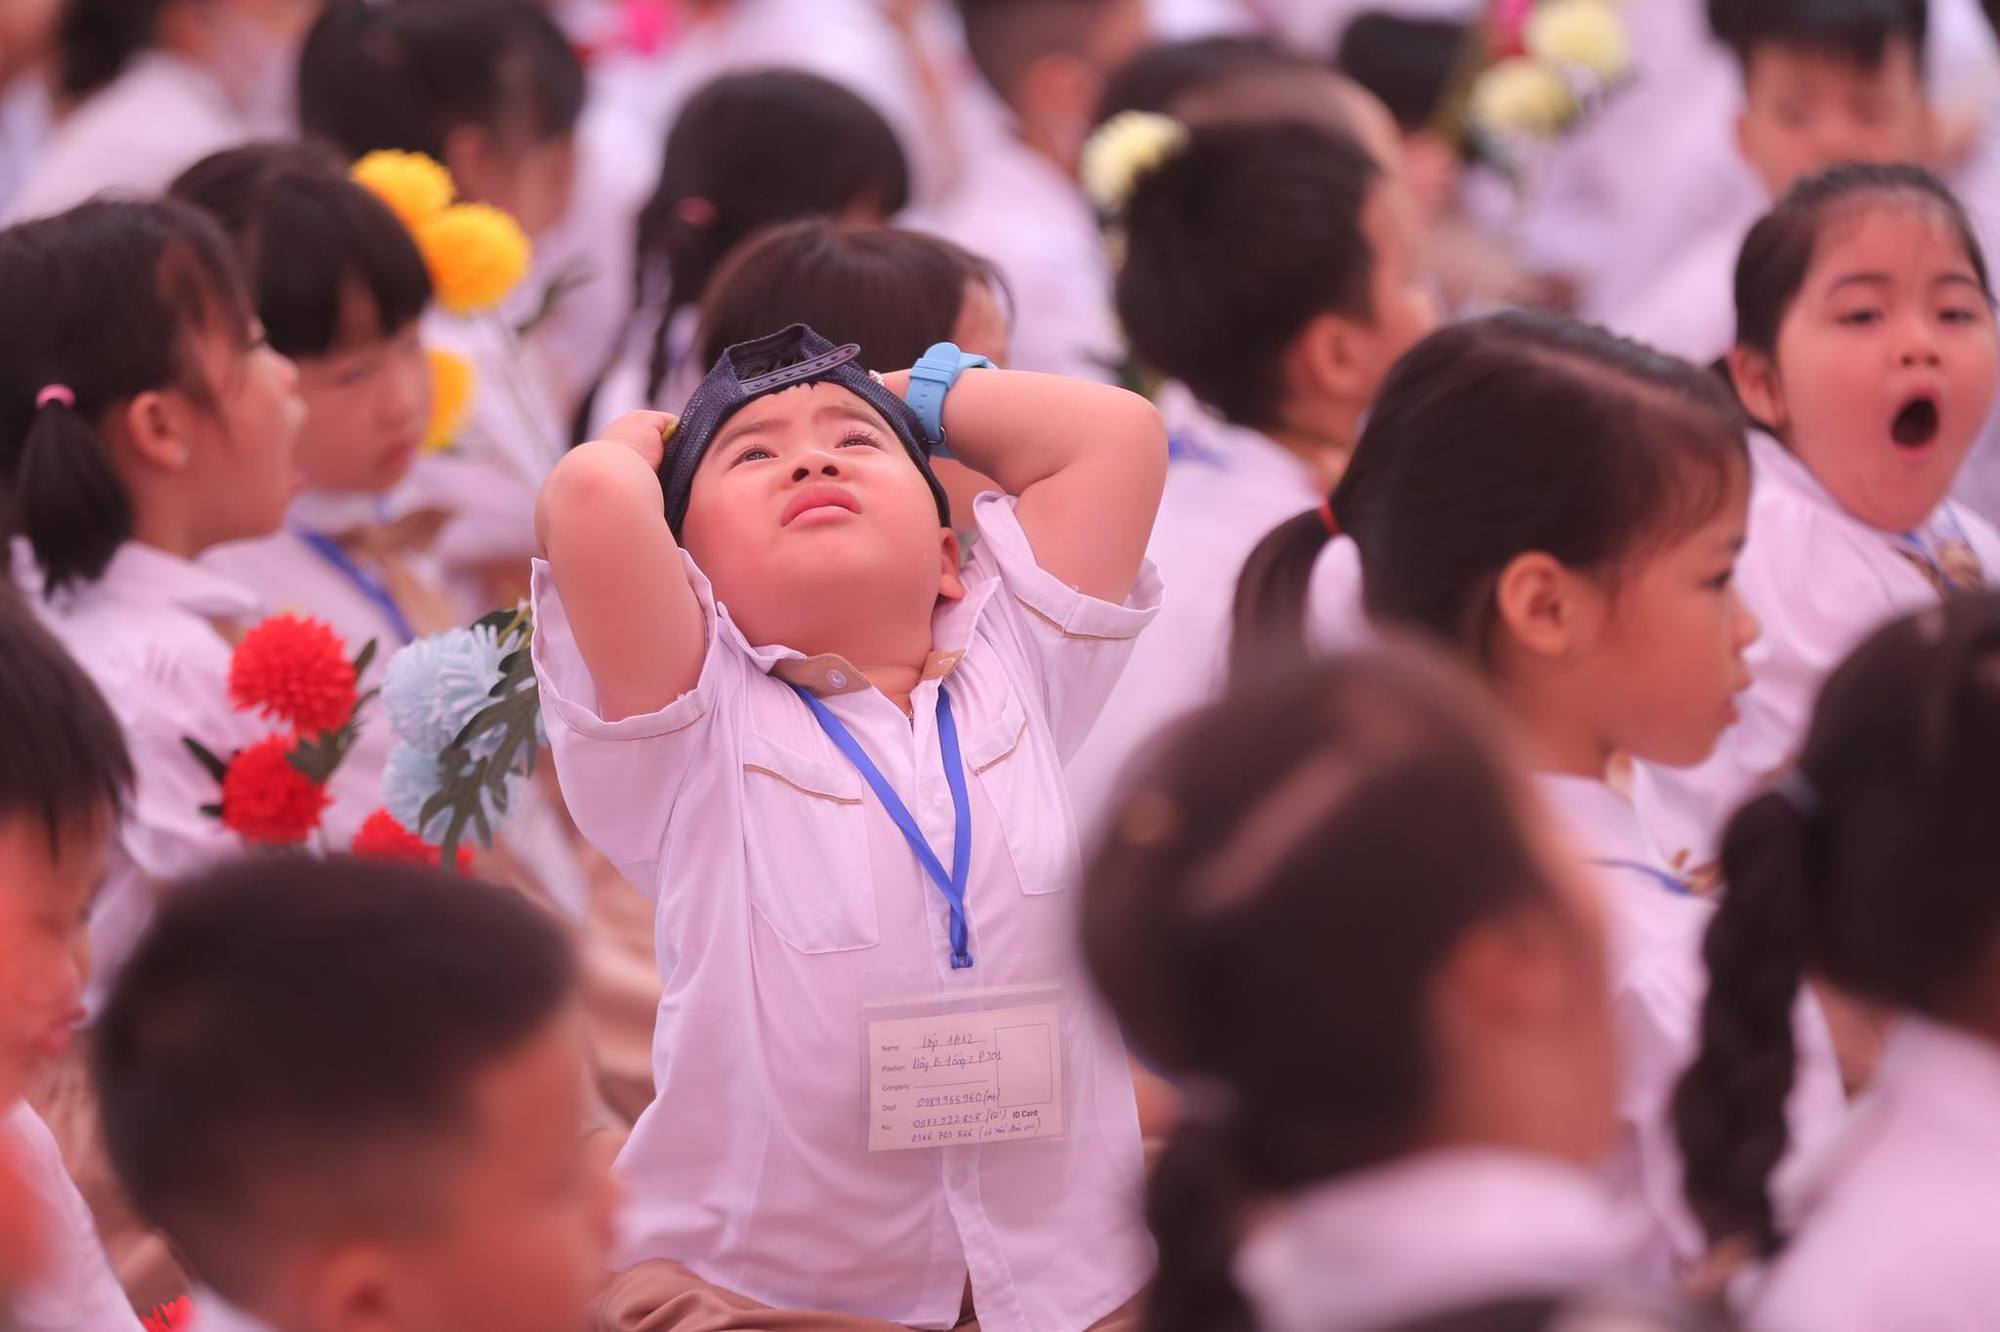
[[1860, 279], [739, 429], [848, 412], [1958, 279]]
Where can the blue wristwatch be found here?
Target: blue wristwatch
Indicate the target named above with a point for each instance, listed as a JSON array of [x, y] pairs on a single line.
[[930, 379]]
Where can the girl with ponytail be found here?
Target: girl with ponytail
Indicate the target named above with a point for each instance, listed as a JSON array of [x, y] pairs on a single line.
[[143, 419], [1268, 274], [1869, 867], [1394, 1046], [1564, 510]]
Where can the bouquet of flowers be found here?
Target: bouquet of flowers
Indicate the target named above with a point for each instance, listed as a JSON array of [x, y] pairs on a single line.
[[467, 715], [477, 255], [1544, 65], [294, 672]]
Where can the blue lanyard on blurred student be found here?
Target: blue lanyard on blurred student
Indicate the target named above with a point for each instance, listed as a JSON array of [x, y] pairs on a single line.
[[330, 550], [952, 885], [1659, 876]]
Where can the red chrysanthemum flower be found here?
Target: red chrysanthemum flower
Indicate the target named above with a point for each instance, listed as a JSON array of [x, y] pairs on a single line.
[[382, 838], [294, 671], [170, 1317], [266, 800]]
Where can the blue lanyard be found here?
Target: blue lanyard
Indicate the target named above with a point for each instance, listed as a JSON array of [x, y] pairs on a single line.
[[952, 885], [329, 550], [1915, 547], [1659, 876]]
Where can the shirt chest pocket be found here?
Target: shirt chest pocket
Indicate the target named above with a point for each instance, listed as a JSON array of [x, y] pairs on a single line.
[[1015, 765], [807, 849]]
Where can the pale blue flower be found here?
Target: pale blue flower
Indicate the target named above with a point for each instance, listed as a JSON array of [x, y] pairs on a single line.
[[435, 685], [409, 780], [412, 777]]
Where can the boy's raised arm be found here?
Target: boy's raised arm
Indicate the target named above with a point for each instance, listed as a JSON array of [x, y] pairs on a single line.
[[601, 524], [1086, 460]]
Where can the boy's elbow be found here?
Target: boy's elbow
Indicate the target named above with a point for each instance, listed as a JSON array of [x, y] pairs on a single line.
[[1134, 420], [589, 486]]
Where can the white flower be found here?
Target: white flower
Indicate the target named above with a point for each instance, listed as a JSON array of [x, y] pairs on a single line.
[[1523, 96], [1127, 146], [1582, 34]]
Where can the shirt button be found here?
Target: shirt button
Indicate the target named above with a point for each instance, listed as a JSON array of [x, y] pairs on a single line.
[[838, 679]]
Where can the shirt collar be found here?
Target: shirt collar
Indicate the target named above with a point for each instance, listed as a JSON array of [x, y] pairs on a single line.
[[150, 576], [333, 512], [1199, 437], [1600, 822], [829, 674], [1433, 1231], [1773, 463], [1944, 1070]]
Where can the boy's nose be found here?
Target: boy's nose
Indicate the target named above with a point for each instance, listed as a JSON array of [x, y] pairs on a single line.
[[821, 467]]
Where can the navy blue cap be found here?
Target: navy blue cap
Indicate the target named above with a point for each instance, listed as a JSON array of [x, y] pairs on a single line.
[[770, 364]]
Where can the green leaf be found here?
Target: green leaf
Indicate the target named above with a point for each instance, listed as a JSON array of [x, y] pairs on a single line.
[[204, 756], [361, 662], [213, 811]]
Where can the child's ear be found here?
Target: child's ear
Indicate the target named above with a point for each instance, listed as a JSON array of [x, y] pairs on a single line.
[[350, 1287], [472, 155], [155, 427], [1758, 387], [1330, 360], [951, 578], [1546, 608]]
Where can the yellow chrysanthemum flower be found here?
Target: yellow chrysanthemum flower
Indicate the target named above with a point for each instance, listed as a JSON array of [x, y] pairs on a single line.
[[1585, 34], [416, 188], [476, 255], [451, 397], [1127, 147], [1523, 96]]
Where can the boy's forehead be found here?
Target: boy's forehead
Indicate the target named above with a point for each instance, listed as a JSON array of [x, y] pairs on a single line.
[[1778, 63], [799, 405]]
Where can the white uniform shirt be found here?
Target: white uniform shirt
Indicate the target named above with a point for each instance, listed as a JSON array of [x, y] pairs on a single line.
[[1820, 581], [76, 1290], [1227, 487], [1658, 982], [784, 890], [146, 634], [1689, 308], [1432, 1232], [1015, 207], [1898, 1232], [159, 117]]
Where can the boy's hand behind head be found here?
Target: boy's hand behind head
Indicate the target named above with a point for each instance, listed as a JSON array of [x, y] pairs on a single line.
[[645, 433]]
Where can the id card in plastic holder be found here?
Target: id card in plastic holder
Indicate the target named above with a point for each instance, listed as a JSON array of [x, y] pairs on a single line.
[[964, 1065]]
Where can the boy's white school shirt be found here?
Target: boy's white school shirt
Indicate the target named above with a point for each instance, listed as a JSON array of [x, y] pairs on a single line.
[[76, 1290], [1227, 487], [160, 116], [1898, 1230], [1437, 1231], [147, 634], [782, 886], [1658, 981], [1819, 581], [1016, 207]]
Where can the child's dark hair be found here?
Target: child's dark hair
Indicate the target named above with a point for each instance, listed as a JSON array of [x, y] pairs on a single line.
[[1407, 62], [96, 39], [1869, 867], [1281, 855], [1860, 30], [62, 755], [307, 234], [894, 292], [1158, 76], [406, 75], [1500, 435], [98, 305], [237, 1099], [749, 151], [1232, 245], [1005, 38], [1779, 250]]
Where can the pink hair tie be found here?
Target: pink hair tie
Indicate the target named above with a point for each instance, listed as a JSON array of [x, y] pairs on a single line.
[[57, 393]]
